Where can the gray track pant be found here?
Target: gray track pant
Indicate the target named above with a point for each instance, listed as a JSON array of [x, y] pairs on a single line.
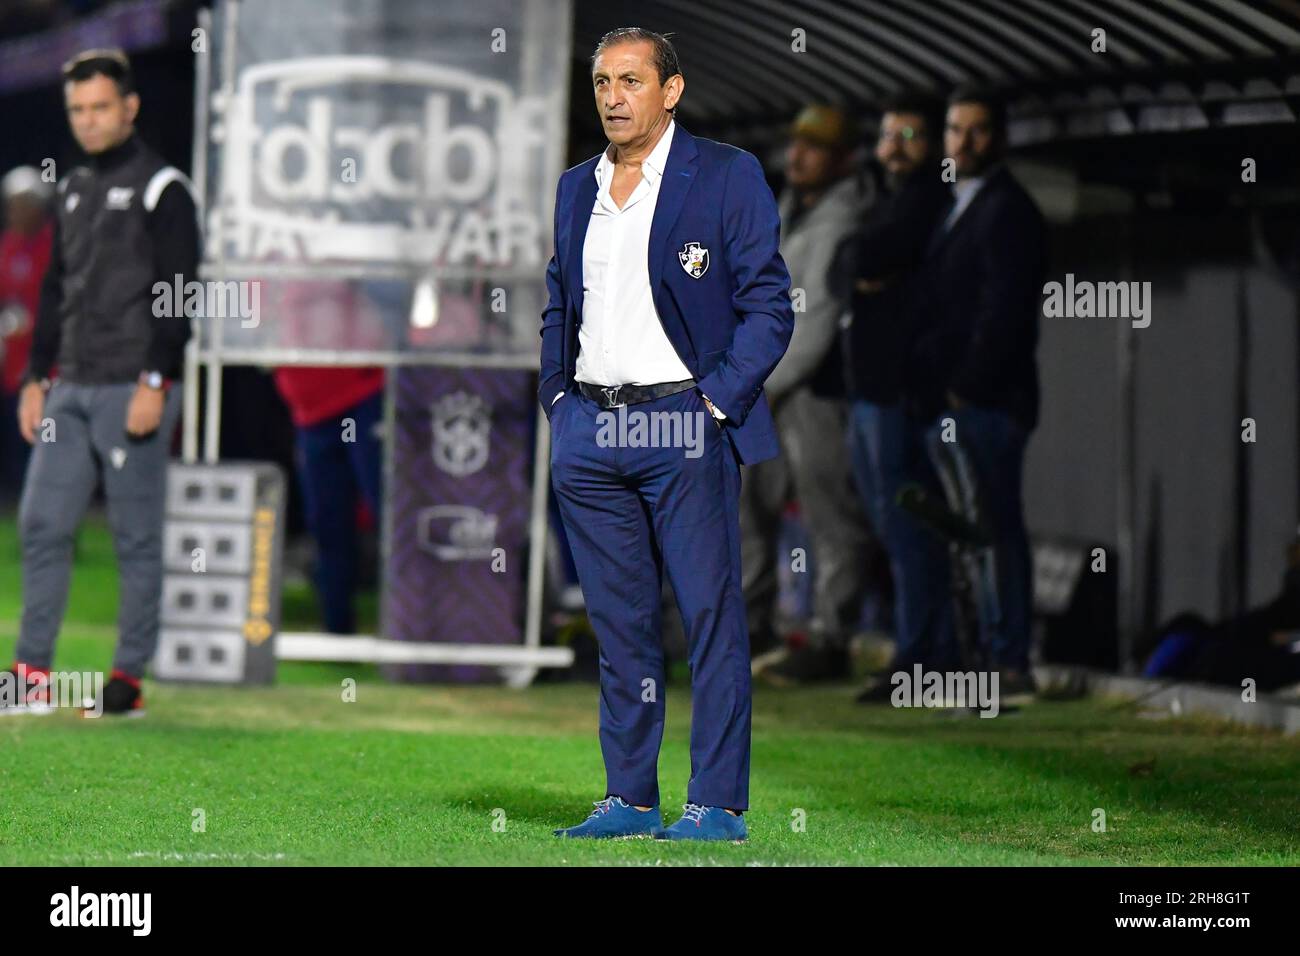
[[83, 440], [814, 468]]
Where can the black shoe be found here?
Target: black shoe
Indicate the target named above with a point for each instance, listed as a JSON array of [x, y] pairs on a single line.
[[878, 691], [1016, 683], [121, 698], [763, 641], [807, 664]]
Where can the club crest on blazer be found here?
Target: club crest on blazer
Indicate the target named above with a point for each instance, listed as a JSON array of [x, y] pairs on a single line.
[[694, 259]]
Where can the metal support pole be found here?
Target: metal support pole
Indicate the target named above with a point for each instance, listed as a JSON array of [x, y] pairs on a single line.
[[190, 402], [199, 171], [1126, 491], [537, 531], [212, 418]]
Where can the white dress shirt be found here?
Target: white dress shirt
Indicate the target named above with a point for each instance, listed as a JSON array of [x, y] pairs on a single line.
[[963, 193]]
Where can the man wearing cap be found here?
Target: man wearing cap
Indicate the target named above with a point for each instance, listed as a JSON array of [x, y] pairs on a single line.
[[96, 404], [668, 299], [24, 256], [823, 202]]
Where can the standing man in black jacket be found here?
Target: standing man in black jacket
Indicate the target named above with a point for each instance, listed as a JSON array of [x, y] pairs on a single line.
[[125, 221], [978, 374], [878, 271]]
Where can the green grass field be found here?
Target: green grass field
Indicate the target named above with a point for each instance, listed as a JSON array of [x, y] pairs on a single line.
[[418, 774]]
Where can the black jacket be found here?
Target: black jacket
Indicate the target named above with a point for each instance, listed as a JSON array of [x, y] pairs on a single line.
[[124, 221], [983, 280], [888, 249]]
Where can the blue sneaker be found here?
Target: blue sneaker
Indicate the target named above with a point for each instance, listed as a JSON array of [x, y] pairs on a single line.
[[707, 823], [616, 819]]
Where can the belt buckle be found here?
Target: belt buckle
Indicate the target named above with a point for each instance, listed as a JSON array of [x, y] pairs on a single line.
[[611, 395]]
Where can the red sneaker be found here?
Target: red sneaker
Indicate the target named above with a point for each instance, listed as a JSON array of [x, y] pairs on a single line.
[[25, 690]]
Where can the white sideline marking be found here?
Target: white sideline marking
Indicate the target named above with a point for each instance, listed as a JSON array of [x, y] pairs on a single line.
[[160, 855], [334, 647]]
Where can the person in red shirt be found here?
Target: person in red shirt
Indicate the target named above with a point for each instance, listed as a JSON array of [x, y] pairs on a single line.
[[329, 406], [24, 257], [337, 414]]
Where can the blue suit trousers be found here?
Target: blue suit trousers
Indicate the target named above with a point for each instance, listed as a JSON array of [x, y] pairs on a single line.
[[632, 512]]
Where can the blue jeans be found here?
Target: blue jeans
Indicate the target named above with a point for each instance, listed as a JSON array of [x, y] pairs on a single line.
[[888, 450], [332, 472], [982, 471]]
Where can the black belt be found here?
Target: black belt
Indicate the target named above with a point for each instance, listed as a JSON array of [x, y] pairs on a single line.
[[614, 396]]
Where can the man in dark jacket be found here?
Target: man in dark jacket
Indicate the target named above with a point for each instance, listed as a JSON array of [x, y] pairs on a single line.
[[975, 367], [878, 271], [126, 223]]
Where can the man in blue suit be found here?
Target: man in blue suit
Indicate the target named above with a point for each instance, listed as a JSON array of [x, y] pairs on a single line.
[[669, 305]]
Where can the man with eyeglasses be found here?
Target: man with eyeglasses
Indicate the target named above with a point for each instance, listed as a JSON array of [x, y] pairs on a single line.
[[877, 271]]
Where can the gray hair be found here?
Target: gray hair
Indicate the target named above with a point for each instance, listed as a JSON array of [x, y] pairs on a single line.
[[664, 57]]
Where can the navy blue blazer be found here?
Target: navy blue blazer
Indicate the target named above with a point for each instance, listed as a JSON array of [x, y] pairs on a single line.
[[717, 277]]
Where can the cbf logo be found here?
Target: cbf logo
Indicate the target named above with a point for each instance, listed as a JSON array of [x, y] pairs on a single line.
[[462, 427], [369, 158], [695, 259]]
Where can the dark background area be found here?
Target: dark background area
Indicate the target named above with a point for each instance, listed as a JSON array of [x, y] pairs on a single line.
[[1135, 155]]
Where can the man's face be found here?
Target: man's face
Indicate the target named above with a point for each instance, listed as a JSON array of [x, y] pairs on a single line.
[[903, 145], [99, 115], [810, 165], [969, 139], [629, 96], [24, 213]]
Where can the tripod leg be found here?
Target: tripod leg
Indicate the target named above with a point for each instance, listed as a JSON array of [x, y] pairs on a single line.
[[974, 566]]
